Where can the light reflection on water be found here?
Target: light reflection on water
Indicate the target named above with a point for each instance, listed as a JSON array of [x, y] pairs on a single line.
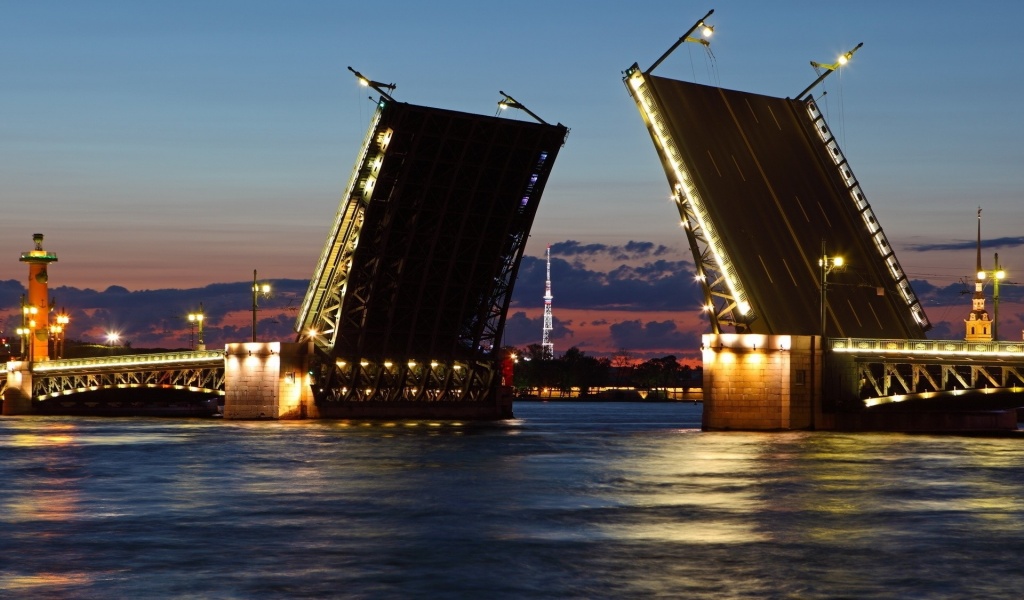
[[567, 500]]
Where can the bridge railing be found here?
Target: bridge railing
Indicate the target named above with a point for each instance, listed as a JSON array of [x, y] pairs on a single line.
[[129, 360], [925, 347]]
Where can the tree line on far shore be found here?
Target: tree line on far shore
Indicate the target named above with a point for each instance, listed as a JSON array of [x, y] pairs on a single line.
[[574, 372]]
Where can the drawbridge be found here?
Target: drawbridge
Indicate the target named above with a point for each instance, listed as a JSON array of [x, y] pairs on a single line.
[[762, 188], [407, 304]]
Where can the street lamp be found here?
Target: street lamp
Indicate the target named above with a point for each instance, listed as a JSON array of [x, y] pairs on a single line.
[[827, 264], [23, 334], [997, 274], [194, 319], [258, 289], [62, 322], [55, 330]]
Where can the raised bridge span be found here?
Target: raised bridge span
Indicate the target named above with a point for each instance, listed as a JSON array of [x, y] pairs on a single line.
[[768, 200]]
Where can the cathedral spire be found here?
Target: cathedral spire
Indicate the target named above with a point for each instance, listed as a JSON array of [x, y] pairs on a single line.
[[979, 270], [977, 325]]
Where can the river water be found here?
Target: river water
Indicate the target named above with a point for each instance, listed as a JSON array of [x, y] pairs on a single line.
[[570, 500]]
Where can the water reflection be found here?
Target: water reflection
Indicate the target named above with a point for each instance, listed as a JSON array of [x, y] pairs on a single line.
[[569, 500]]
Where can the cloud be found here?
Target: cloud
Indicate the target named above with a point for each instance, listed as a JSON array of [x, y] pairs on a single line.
[[521, 330], [651, 286], [158, 318], [632, 250], [1003, 242], [636, 335]]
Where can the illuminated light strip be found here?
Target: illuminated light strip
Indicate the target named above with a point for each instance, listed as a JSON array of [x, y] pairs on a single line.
[[874, 227], [135, 360], [925, 347], [683, 183], [316, 291], [879, 400]]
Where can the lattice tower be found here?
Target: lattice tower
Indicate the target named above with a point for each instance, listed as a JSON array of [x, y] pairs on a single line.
[[547, 346]]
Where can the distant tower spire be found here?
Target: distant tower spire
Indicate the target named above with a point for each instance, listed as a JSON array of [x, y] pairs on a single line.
[[978, 326], [546, 345]]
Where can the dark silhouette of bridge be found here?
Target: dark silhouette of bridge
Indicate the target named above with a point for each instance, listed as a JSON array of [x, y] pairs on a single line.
[[407, 304]]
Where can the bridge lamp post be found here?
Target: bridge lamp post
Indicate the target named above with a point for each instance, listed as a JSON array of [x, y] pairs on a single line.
[[196, 319], [28, 323], [55, 332], [258, 289], [23, 333], [997, 275], [62, 322], [827, 264]]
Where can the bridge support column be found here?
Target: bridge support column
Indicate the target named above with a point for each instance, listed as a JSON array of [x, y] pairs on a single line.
[[762, 382], [267, 381], [17, 398]]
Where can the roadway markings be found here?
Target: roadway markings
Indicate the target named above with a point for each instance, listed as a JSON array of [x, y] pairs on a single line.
[[714, 164], [788, 270], [765, 267], [801, 206], [738, 169]]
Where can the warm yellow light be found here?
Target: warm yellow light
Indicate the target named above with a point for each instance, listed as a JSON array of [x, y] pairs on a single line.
[[364, 82], [412, 364], [981, 275], [387, 364], [707, 31], [837, 261], [1000, 274], [843, 59]]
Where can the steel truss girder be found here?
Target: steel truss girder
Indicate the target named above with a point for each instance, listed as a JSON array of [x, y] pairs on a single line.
[[203, 379], [724, 296], [862, 208], [322, 306], [885, 378], [366, 381]]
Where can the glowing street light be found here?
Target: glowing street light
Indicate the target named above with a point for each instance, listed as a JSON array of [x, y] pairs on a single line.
[[195, 319], [827, 264], [258, 289], [842, 60], [63, 320], [113, 338], [23, 333], [705, 29], [997, 274]]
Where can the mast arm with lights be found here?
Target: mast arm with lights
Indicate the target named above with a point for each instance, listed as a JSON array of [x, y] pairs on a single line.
[[376, 85], [510, 102], [842, 60], [707, 31]]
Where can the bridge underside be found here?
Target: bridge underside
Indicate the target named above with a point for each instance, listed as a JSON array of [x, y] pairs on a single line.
[[760, 183], [409, 298]]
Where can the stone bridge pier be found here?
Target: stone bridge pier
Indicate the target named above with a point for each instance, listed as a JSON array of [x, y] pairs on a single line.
[[267, 380], [17, 398]]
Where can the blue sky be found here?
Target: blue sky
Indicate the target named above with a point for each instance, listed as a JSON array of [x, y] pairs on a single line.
[[178, 145]]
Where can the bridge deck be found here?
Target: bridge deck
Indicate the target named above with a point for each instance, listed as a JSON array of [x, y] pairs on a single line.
[[774, 186]]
